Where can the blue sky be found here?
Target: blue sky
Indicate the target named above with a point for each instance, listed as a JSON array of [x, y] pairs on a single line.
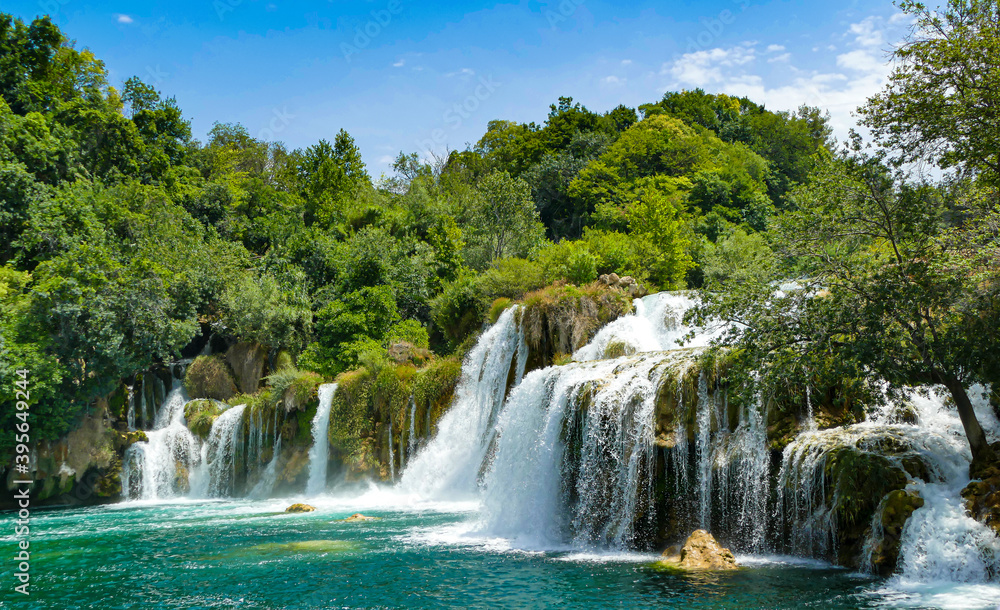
[[403, 75]]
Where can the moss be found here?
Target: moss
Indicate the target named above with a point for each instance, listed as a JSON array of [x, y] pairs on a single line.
[[617, 349], [209, 377], [897, 507], [283, 360], [200, 415], [562, 359], [562, 318], [499, 306]]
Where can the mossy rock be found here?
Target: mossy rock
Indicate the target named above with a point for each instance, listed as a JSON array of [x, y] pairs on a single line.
[[209, 377], [982, 496], [200, 415], [618, 349], [562, 318], [127, 439], [897, 507], [300, 508]]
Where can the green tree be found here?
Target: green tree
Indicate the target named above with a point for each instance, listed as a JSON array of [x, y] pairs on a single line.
[[503, 221], [885, 293], [943, 95]]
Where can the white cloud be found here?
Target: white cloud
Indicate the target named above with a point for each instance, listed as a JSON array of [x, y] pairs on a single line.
[[613, 81], [900, 18], [860, 60], [124, 18], [626, 62], [867, 33], [704, 67], [386, 160], [399, 64], [858, 72], [466, 72]]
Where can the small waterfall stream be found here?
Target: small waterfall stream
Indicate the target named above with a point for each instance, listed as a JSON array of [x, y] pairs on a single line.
[[216, 472], [150, 469], [319, 453], [451, 462]]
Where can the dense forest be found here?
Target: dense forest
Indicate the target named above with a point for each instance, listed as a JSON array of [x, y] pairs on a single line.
[[125, 241]]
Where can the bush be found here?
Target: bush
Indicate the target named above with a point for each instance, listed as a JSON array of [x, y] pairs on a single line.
[[209, 377], [410, 331]]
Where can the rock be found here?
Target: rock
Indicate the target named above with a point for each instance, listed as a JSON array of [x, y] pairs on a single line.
[[982, 497], [401, 351], [897, 509], [300, 508], [613, 279], [247, 361], [700, 552], [404, 351], [209, 377], [359, 517]]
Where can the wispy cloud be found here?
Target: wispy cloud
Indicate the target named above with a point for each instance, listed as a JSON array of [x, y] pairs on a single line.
[[123, 18]]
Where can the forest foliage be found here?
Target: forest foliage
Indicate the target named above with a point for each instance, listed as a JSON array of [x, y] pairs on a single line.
[[125, 240]]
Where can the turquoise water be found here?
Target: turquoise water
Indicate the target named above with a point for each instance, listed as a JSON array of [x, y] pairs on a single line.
[[242, 554]]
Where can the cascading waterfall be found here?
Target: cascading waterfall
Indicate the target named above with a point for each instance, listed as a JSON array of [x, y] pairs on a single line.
[[268, 478], [217, 470], [451, 462], [392, 451], [411, 438], [656, 325], [130, 415], [319, 453], [940, 542], [150, 469]]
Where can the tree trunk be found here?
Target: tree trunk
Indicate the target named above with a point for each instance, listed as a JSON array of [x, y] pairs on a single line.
[[973, 431]]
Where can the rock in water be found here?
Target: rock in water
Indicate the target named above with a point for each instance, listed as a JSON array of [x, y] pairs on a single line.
[[300, 508], [359, 517], [700, 552]]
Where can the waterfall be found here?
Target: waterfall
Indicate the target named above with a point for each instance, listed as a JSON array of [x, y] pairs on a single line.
[[158, 468], [146, 419], [268, 478], [130, 415], [392, 453], [940, 542], [411, 438], [656, 325], [320, 450], [216, 476], [451, 462]]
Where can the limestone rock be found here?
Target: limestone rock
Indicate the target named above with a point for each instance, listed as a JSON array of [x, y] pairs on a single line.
[[700, 552], [300, 508], [209, 377], [982, 496], [247, 361], [897, 509], [359, 517]]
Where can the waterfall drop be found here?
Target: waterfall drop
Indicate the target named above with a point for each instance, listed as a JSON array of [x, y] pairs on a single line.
[[319, 453]]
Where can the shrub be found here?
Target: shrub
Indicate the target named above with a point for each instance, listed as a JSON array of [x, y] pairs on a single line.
[[209, 377], [410, 331]]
